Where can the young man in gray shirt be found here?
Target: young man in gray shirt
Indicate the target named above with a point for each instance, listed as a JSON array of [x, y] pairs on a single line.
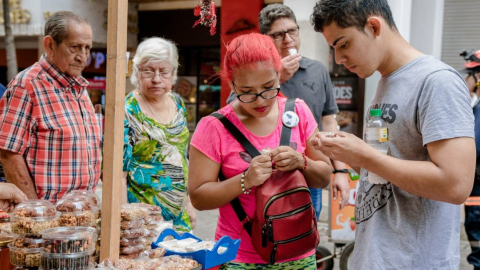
[[412, 222], [305, 79]]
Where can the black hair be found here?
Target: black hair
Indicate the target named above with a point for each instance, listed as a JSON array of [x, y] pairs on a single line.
[[346, 13]]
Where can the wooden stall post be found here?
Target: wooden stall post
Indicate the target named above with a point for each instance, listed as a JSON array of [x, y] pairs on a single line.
[[113, 137]]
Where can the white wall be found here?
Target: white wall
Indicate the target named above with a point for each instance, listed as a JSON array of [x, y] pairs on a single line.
[[427, 26], [313, 44]]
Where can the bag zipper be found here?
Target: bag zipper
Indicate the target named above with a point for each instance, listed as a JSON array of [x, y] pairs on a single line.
[[283, 194], [272, 255], [268, 224], [291, 213]]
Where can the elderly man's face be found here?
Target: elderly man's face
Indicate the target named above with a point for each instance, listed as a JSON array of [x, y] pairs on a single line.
[[71, 55]]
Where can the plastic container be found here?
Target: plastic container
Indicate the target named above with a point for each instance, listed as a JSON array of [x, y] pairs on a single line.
[[69, 240], [77, 211], [88, 193], [72, 261], [27, 257], [35, 208], [75, 203], [377, 137], [32, 216], [207, 258], [27, 242]]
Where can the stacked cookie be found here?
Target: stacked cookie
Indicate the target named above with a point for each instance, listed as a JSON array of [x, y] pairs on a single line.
[[132, 233]]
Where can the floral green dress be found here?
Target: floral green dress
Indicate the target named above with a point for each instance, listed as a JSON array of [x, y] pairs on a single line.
[[155, 157]]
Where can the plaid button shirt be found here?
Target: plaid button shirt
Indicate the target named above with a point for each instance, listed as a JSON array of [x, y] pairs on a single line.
[[48, 118]]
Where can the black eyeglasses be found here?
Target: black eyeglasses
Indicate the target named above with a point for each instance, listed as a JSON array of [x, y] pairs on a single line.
[[251, 97], [281, 35]]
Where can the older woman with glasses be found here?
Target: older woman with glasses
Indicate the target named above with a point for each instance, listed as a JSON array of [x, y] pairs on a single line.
[[252, 67], [156, 135]]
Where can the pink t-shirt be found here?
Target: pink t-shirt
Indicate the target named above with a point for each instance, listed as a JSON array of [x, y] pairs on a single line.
[[212, 139]]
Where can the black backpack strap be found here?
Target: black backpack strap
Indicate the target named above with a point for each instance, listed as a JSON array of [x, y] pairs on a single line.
[[287, 131], [237, 207], [237, 134]]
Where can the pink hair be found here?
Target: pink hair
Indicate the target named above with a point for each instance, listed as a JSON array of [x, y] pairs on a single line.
[[247, 50]]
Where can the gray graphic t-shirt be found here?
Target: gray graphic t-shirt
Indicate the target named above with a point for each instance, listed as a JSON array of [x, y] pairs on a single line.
[[422, 102]]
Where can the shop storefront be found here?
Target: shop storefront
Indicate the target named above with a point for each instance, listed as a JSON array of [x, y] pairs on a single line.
[[28, 19]]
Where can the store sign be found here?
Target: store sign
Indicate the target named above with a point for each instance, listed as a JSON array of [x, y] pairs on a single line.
[[343, 94], [96, 84], [346, 92], [17, 14], [97, 59]]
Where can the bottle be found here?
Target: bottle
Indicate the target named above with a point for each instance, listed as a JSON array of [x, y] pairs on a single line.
[[377, 137]]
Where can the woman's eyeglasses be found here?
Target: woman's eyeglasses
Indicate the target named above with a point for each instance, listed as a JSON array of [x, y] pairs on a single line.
[[148, 74], [251, 97]]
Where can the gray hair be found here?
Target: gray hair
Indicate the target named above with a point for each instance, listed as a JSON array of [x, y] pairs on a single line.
[[57, 25], [271, 13], [155, 49]]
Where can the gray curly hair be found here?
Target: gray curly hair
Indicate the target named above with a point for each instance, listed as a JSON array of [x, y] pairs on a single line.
[[271, 13]]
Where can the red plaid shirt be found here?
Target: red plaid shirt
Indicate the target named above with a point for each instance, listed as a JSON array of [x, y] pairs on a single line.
[[48, 118]]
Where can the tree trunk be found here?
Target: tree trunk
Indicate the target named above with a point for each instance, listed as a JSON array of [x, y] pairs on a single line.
[[10, 43]]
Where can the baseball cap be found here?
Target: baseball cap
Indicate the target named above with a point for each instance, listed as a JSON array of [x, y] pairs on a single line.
[[472, 61]]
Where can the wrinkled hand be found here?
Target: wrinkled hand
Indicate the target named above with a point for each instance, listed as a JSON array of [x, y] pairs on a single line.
[[344, 147], [290, 65], [340, 184], [10, 196], [287, 159], [192, 214], [259, 171]]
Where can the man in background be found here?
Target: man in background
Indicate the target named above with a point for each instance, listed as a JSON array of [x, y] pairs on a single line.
[[50, 137], [472, 205]]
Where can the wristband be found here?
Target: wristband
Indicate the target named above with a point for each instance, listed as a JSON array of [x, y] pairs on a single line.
[[341, 171], [242, 184], [304, 158]]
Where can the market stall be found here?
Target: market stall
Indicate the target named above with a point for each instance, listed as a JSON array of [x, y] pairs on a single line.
[[81, 233]]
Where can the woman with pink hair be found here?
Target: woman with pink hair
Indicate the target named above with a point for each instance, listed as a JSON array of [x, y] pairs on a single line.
[[252, 66]]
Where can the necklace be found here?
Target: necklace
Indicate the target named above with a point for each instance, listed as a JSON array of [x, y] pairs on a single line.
[[160, 119]]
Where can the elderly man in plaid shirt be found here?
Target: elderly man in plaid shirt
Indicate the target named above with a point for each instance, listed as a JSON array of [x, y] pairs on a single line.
[[50, 136]]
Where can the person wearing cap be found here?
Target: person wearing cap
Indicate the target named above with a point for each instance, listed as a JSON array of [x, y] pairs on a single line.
[[306, 79], [472, 205]]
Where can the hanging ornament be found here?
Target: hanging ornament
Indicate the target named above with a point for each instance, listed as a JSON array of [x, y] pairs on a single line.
[[206, 11]]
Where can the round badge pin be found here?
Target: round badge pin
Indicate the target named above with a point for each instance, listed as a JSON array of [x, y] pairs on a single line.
[[290, 119]]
